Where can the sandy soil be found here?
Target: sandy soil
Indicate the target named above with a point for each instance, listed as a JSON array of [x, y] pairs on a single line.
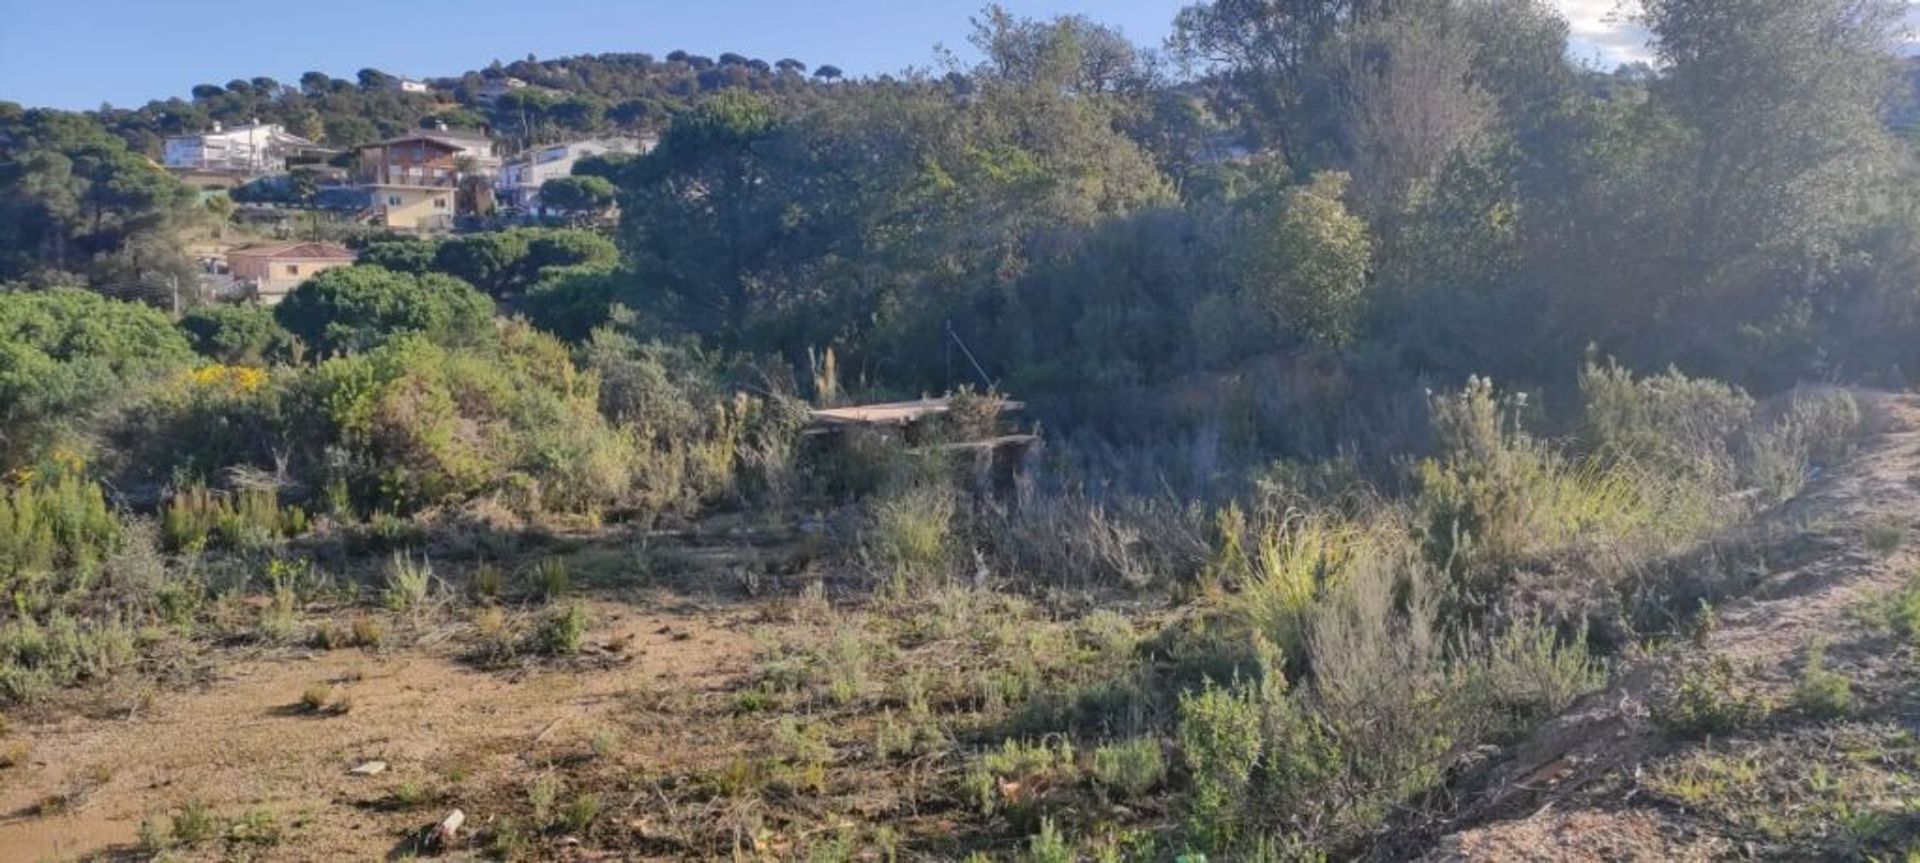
[[241, 743]]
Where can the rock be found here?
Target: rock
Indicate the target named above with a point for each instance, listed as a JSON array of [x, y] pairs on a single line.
[[370, 768], [448, 829]]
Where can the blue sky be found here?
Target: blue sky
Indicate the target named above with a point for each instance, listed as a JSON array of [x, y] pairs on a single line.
[[80, 53]]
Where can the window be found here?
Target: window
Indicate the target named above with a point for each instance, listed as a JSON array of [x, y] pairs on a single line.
[[439, 203], [393, 200], [293, 269]]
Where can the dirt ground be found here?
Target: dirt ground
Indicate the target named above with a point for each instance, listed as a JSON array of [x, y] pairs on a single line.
[[242, 743]]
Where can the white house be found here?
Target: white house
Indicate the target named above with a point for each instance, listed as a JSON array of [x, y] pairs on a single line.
[[523, 175], [409, 85], [473, 146], [255, 148]]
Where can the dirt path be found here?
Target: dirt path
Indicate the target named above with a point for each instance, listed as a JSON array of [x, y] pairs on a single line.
[[1826, 569], [241, 744]]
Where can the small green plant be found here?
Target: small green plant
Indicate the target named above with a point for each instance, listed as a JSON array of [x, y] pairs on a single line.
[[1048, 846], [1822, 693], [562, 631], [1885, 537], [1130, 769], [1220, 738], [580, 813], [488, 582], [194, 823], [541, 797], [1704, 697], [408, 583], [550, 578]]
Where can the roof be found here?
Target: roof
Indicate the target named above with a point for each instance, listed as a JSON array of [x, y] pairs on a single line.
[[303, 251], [436, 138]]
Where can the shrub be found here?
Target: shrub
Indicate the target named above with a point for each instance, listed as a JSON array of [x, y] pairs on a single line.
[[550, 579], [409, 584], [1527, 673], [909, 533], [250, 518], [1822, 693], [1701, 697], [1669, 422], [998, 778], [66, 352], [356, 308], [1497, 495], [36, 658], [57, 526], [1219, 733], [562, 631], [244, 335], [1130, 769]]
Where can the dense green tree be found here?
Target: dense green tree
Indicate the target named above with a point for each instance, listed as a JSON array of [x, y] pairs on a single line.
[[584, 195], [237, 335], [74, 199], [355, 308], [65, 352], [1308, 259]]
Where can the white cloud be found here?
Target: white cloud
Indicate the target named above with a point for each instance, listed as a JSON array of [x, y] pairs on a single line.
[[1603, 31]]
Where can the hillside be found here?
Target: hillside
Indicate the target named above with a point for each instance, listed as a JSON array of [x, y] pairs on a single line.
[[1804, 751]]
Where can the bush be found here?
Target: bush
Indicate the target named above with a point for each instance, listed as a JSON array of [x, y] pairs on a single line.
[[1497, 496], [1220, 739], [357, 308], [243, 335], [251, 518], [58, 527], [1669, 422], [1131, 769], [909, 534], [1821, 693], [36, 658], [409, 584], [419, 424], [562, 631], [66, 352], [1701, 697]]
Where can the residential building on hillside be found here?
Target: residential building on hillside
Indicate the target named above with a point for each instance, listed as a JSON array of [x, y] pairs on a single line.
[[522, 176], [474, 147], [256, 148], [274, 271], [408, 85], [411, 182]]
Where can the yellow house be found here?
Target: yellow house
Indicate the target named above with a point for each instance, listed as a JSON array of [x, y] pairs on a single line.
[[276, 270], [412, 208]]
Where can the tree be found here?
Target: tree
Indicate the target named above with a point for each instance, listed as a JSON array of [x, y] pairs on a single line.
[[1309, 261], [1273, 54], [355, 308], [64, 353], [829, 72], [1411, 103], [1783, 100], [236, 335], [700, 208], [578, 195]]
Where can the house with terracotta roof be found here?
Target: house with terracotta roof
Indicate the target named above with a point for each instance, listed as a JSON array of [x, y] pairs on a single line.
[[275, 270]]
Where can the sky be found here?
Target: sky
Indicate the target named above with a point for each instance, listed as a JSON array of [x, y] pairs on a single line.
[[80, 53]]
